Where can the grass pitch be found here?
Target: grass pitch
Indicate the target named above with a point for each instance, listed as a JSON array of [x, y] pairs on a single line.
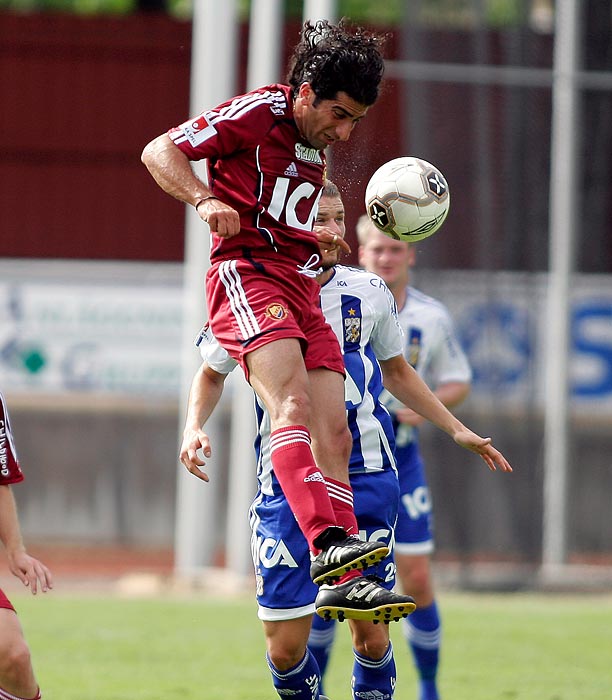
[[502, 647]]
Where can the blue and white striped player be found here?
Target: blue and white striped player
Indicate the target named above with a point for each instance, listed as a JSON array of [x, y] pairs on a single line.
[[361, 310]]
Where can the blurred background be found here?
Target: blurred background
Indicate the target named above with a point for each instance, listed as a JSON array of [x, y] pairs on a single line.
[[511, 99]]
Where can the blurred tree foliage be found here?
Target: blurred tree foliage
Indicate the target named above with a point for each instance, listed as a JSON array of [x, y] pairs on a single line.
[[433, 12]]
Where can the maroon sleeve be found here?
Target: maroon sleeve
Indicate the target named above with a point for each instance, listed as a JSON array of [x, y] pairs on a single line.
[[10, 472], [238, 124]]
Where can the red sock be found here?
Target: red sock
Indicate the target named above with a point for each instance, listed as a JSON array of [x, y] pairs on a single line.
[[341, 496], [5, 695], [301, 480], [349, 575]]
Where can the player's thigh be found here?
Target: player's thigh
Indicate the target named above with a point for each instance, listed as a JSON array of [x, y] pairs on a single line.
[[278, 375], [12, 641]]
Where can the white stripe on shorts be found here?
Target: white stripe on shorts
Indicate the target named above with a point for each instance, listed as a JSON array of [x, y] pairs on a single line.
[[245, 318]]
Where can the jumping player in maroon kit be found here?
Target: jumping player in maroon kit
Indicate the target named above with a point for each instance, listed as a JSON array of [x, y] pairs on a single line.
[[266, 161], [17, 681]]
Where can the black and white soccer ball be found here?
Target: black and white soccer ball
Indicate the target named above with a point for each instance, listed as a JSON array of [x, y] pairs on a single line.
[[407, 198]]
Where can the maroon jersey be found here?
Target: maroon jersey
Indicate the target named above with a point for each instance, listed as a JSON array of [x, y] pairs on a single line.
[[259, 164], [10, 472]]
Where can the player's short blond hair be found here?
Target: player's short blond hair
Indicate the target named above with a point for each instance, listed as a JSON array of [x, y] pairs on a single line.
[[330, 189], [365, 228]]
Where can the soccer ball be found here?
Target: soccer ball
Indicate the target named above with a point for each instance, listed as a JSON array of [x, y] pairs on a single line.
[[407, 198]]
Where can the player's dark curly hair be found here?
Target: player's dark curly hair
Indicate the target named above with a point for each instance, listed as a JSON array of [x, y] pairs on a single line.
[[338, 58]]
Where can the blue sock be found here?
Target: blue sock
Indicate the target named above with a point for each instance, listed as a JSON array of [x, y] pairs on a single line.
[[374, 678], [422, 631], [302, 682], [320, 642]]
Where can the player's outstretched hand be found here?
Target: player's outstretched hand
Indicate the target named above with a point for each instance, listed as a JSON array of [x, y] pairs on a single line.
[[30, 572], [483, 447], [194, 440]]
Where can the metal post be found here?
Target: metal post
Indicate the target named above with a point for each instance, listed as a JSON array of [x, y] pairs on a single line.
[[562, 231], [213, 44], [320, 9]]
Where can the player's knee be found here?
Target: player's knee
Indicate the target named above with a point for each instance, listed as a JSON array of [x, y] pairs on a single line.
[[417, 583], [370, 640], [285, 657], [294, 409], [346, 440], [371, 646], [340, 440], [16, 663]]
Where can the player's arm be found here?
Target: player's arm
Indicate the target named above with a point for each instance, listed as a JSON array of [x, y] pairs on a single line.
[[171, 169], [27, 569], [405, 384], [450, 394], [204, 394], [448, 368]]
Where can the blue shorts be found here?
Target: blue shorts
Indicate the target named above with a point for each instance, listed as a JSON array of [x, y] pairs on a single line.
[[281, 557], [414, 530]]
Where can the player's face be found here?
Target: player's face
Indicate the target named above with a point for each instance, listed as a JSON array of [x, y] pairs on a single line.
[[387, 257], [323, 122], [330, 217]]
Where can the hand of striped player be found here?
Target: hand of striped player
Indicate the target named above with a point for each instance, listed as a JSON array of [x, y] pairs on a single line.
[[492, 457], [193, 441]]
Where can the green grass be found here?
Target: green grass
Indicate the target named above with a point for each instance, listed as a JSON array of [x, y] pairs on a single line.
[[502, 647]]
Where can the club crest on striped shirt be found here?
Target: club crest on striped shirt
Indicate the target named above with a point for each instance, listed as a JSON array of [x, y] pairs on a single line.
[[352, 329]]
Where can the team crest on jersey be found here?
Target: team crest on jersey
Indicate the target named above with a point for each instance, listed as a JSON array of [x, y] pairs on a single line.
[[276, 311], [352, 329], [414, 346]]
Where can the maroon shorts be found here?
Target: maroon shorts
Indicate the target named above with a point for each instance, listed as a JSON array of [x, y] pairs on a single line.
[[249, 307], [5, 602]]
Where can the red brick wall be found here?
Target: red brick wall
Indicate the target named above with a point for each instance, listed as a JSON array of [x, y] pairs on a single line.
[[81, 97]]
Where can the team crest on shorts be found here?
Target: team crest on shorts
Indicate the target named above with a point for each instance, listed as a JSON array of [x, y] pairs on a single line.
[[352, 329], [277, 312]]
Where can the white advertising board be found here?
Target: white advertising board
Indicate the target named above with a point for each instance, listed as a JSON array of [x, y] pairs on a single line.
[[116, 329], [501, 321]]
